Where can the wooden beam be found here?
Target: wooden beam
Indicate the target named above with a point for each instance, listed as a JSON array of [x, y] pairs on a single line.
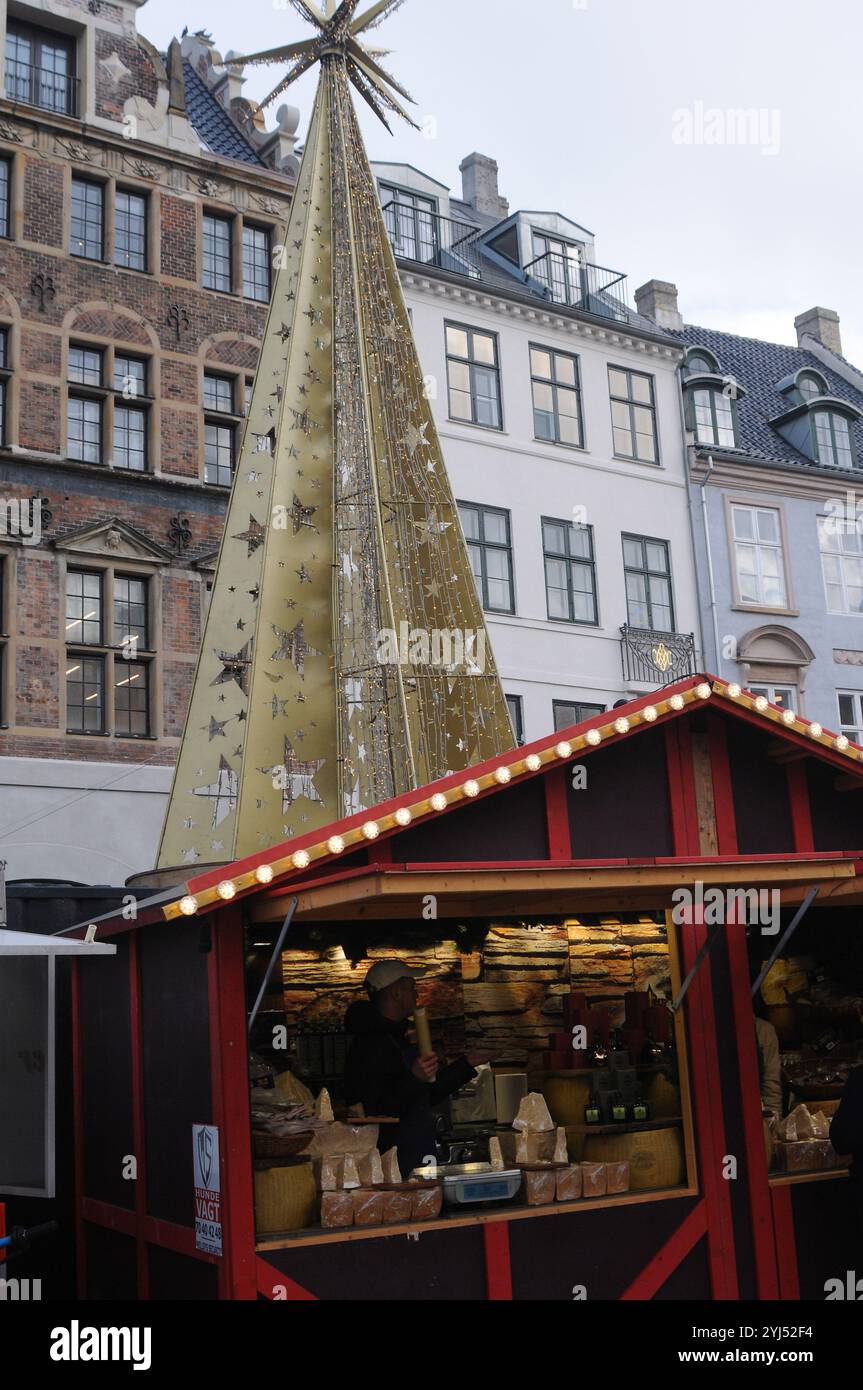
[[705, 805], [509, 892]]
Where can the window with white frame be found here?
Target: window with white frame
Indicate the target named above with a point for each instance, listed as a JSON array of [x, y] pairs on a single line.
[[758, 556], [713, 416], [851, 714], [842, 565], [833, 444], [784, 696]]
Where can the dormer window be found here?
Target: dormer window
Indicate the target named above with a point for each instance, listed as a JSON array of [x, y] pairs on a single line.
[[711, 408], [411, 223], [832, 439], [557, 265], [817, 423], [810, 385], [40, 68], [700, 363]]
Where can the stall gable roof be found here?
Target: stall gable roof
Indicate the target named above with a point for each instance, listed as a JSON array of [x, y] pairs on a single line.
[[321, 848]]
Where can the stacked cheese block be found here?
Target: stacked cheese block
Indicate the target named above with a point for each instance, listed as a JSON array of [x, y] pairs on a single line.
[[555, 1179], [370, 1192]]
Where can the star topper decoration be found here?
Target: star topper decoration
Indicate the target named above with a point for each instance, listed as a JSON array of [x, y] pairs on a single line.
[[338, 26]]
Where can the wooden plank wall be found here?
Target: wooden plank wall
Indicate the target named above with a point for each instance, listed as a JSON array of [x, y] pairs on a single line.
[[506, 996]]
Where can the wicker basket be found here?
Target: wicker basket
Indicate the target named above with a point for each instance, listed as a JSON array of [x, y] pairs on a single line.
[[279, 1146], [655, 1155], [566, 1097], [286, 1198]]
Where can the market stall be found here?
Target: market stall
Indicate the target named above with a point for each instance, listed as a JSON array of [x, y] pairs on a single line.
[[564, 922]]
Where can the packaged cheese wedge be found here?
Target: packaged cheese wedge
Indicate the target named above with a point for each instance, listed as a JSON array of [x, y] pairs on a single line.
[[561, 1153], [392, 1173], [495, 1154], [323, 1106], [350, 1176]]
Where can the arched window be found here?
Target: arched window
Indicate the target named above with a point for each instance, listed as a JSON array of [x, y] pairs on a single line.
[[700, 362], [810, 385], [713, 416]]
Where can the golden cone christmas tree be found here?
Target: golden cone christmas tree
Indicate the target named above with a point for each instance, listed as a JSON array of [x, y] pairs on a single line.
[[345, 658]]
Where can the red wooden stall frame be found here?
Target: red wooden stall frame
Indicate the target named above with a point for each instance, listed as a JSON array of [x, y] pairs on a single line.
[[243, 1273]]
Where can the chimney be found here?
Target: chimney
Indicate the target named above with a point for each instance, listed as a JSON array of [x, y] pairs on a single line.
[[479, 185], [822, 325], [657, 300]]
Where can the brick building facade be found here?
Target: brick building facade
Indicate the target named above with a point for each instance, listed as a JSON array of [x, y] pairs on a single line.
[[142, 201]]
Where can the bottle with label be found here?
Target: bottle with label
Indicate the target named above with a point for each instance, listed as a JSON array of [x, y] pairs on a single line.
[[617, 1108], [593, 1111], [640, 1110]]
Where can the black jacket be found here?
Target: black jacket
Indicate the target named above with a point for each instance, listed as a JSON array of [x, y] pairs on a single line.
[[846, 1136], [378, 1073], [846, 1129]]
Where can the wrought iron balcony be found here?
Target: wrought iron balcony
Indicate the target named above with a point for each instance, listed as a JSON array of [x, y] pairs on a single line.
[[52, 91], [429, 239], [569, 280], [418, 235], [656, 658]]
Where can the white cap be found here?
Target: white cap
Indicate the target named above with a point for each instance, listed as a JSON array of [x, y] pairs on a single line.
[[386, 972]]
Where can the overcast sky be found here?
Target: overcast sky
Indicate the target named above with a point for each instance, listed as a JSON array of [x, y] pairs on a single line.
[[625, 116]]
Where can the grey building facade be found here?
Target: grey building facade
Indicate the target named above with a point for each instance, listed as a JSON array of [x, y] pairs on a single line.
[[775, 451]]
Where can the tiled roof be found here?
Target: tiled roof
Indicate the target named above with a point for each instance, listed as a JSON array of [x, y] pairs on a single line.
[[219, 132], [759, 367]]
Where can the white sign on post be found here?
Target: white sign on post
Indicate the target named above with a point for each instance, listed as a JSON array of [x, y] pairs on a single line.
[[208, 1189]]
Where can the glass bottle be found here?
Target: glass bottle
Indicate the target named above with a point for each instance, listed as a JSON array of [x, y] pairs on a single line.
[[593, 1111]]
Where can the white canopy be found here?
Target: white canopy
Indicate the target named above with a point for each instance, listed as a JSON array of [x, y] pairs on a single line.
[[25, 943]]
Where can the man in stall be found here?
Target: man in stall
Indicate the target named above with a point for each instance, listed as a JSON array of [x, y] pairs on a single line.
[[385, 1072]]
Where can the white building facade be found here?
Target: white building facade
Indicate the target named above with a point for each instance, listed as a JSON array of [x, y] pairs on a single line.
[[560, 414]]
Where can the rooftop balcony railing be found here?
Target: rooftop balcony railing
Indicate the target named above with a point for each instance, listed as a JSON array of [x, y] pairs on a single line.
[[581, 285], [419, 235], [42, 87]]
